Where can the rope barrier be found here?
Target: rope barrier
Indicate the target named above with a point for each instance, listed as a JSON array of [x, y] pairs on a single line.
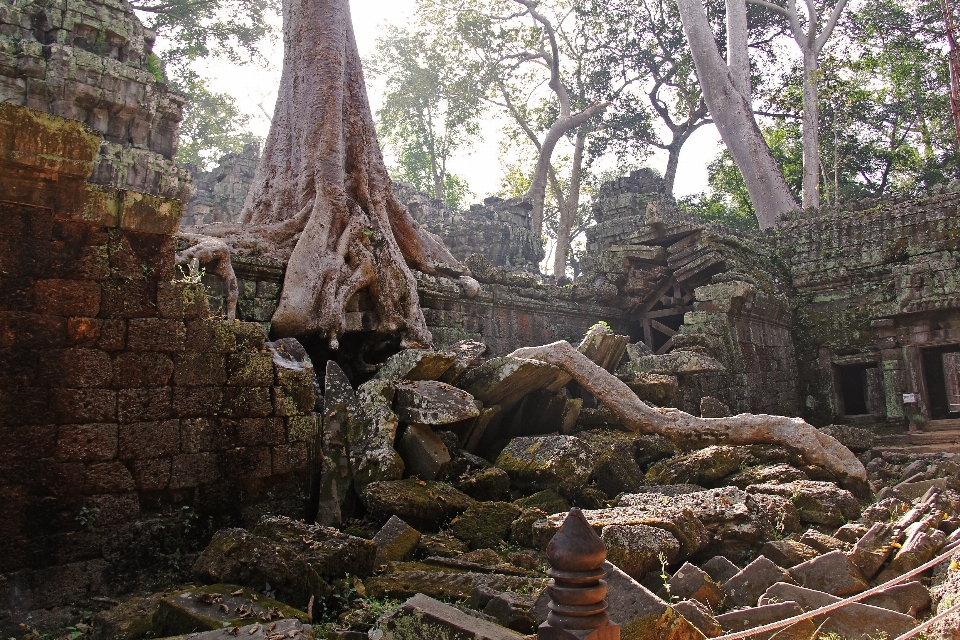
[[780, 624], [928, 623]]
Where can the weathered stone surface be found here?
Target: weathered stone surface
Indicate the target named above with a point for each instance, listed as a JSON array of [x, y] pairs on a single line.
[[710, 407], [616, 470], [465, 352], [699, 616], [853, 438], [603, 347], [407, 579], [674, 363], [637, 549], [295, 558], [921, 541], [818, 502], [873, 549], [486, 484], [339, 402], [512, 610], [831, 573], [759, 616], [395, 541], [766, 474], [294, 387], [548, 501], [505, 381], [423, 452], [216, 606], [424, 505], [704, 467], [855, 621], [746, 587], [132, 619], [690, 582], [416, 364], [286, 628], [562, 463], [432, 402], [720, 569], [653, 388], [788, 553], [851, 532], [909, 598], [423, 618], [373, 431], [822, 542], [484, 525], [640, 614], [442, 544]]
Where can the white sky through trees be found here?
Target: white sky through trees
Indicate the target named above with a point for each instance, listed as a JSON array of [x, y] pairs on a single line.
[[253, 87]]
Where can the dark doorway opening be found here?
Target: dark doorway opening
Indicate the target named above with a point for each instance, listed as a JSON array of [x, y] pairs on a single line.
[[941, 371], [859, 389]]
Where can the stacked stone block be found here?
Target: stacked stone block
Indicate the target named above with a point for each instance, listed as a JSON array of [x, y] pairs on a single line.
[[93, 62], [220, 192], [122, 401]]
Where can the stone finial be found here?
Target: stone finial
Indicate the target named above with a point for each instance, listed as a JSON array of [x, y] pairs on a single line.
[[578, 609]]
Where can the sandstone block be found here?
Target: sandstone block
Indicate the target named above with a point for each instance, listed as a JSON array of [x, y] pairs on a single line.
[[199, 609], [416, 364], [699, 616], [485, 484], [143, 405], [512, 610], [759, 616], [788, 553], [637, 549], [909, 598], [855, 621], [745, 588], [249, 370], [424, 454], [557, 462], [432, 402], [86, 442], [821, 541], [395, 541], [484, 525], [720, 569], [133, 369], [193, 368], [143, 440], [421, 617], [818, 502], [690, 582], [831, 573], [424, 505], [84, 405], [465, 353], [710, 407], [156, 334], [873, 549], [505, 381], [182, 300], [66, 298]]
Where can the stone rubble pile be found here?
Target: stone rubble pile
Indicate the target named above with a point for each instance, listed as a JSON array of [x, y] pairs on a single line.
[[443, 478]]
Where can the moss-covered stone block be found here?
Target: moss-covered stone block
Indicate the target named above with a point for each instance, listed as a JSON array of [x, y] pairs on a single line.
[[215, 607], [423, 504], [485, 525]]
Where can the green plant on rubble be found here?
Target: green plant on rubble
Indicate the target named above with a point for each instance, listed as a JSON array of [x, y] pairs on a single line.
[[88, 517], [193, 274], [665, 577]]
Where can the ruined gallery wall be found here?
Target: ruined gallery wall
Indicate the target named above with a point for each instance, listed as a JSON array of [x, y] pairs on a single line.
[[873, 287], [133, 423]]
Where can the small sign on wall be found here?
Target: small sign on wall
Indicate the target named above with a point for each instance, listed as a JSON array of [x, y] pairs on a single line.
[[909, 398]]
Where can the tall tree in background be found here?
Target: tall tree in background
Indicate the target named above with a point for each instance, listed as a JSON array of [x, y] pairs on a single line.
[[431, 109], [192, 30], [727, 91]]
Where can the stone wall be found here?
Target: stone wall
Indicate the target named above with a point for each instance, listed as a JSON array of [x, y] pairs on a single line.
[[221, 191], [92, 61], [133, 421]]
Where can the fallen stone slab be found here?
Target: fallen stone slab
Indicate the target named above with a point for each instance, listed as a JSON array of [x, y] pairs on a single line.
[[616, 470], [416, 364], [831, 573], [922, 540], [423, 618], [851, 532], [373, 432], [423, 452], [562, 463], [289, 629], [490, 484], [909, 598], [431, 402], [711, 407], [855, 621], [465, 352], [873, 549], [640, 614], [505, 381], [822, 542], [406, 579], [395, 541], [217, 606], [548, 501], [703, 466], [699, 616], [754, 617], [910, 491], [745, 588], [638, 549], [765, 474], [788, 553], [677, 362], [602, 346], [691, 582], [512, 610], [854, 438], [720, 569], [424, 505], [484, 525], [653, 388], [339, 402], [818, 502]]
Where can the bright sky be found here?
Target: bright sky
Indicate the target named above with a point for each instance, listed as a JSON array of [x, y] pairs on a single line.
[[256, 90]]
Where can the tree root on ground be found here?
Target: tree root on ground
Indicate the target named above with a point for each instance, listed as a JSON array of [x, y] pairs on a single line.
[[691, 432]]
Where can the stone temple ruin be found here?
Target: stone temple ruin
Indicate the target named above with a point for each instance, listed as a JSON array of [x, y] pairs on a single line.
[[152, 445]]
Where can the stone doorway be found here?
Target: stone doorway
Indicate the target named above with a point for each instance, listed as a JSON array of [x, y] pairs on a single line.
[[941, 373]]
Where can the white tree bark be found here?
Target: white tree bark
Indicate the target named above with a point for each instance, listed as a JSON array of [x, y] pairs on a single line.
[[733, 114], [692, 432], [568, 208]]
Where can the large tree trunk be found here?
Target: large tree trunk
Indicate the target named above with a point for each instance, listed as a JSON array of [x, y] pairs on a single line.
[[732, 112], [811, 132], [322, 187], [691, 432], [568, 210]]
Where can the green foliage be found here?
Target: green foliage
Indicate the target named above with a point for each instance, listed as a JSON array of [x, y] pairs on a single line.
[[88, 516], [431, 108], [155, 66], [212, 124]]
